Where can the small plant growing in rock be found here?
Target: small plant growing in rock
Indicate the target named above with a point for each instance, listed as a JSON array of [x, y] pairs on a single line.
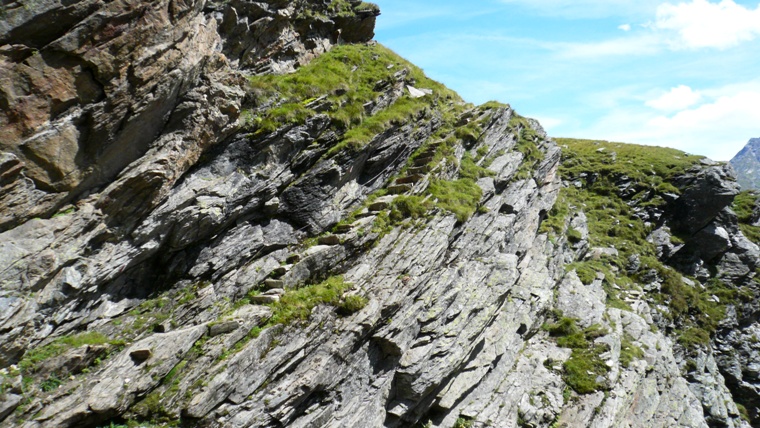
[[409, 207], [574, 236], [352, 304], [462, 422], [629, 351], [51, 383]]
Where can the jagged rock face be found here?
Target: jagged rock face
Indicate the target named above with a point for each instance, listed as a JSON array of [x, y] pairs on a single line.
[[371, 253], [747, 165], [91, 87]]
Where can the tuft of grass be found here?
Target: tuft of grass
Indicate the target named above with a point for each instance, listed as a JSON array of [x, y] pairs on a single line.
[[468, 133], [408, 207], [51, 383], [296, 305], [65, 212], [745, 204], [526, 144], [574, 236], [471, 170], [459, 197], [352, 304], [744, 413], [554, 223], [693, 336], [343, 8], [629, 351]]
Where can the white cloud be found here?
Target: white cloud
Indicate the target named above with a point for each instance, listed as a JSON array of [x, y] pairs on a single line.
[[678, 98], [644, 44], [702, 24], [625, 27]]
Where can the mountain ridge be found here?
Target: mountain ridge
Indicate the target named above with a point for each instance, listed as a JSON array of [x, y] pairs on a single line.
[[747, 165]]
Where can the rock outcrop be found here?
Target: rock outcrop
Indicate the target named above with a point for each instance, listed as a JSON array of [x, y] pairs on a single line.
[[236, 213]]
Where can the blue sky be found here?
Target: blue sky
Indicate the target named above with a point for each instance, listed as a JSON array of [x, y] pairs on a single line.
[[683, 74]]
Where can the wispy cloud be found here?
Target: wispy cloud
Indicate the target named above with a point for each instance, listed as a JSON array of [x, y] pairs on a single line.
[[639, 44], [677, 98], [702, 24]]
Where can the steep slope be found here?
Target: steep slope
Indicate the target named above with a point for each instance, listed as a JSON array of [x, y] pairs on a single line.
[[307, 231], [747, 165]]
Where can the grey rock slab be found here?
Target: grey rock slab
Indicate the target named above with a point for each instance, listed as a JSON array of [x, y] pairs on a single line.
[[583, 302], [124, 376], [8, 404], [223, 327], [265, 299]]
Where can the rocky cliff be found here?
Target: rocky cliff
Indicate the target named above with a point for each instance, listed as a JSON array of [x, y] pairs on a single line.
[[747, 165], [235, 213]]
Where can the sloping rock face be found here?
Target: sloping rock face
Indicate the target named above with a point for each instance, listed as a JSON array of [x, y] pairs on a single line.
[[234, 214], [747, 165], [92, 87]]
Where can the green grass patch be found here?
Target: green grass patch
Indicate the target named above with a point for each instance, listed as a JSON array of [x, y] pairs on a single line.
[[574, 236], [556, 220], [745, 204], [346, 8], [471, 170], [65, 212], [335, 9], [352, 304], [51, 383], [409, 207], [744, 413], [348, 76], [34, 357], [585, 364], [296, 305], [629, 351], [751, 232], [462, 422], [459, 197], [648, 166], [693, 336], [152, 408], [468, 133]]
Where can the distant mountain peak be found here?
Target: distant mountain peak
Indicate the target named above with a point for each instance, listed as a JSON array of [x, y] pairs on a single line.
[[747, 165]]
